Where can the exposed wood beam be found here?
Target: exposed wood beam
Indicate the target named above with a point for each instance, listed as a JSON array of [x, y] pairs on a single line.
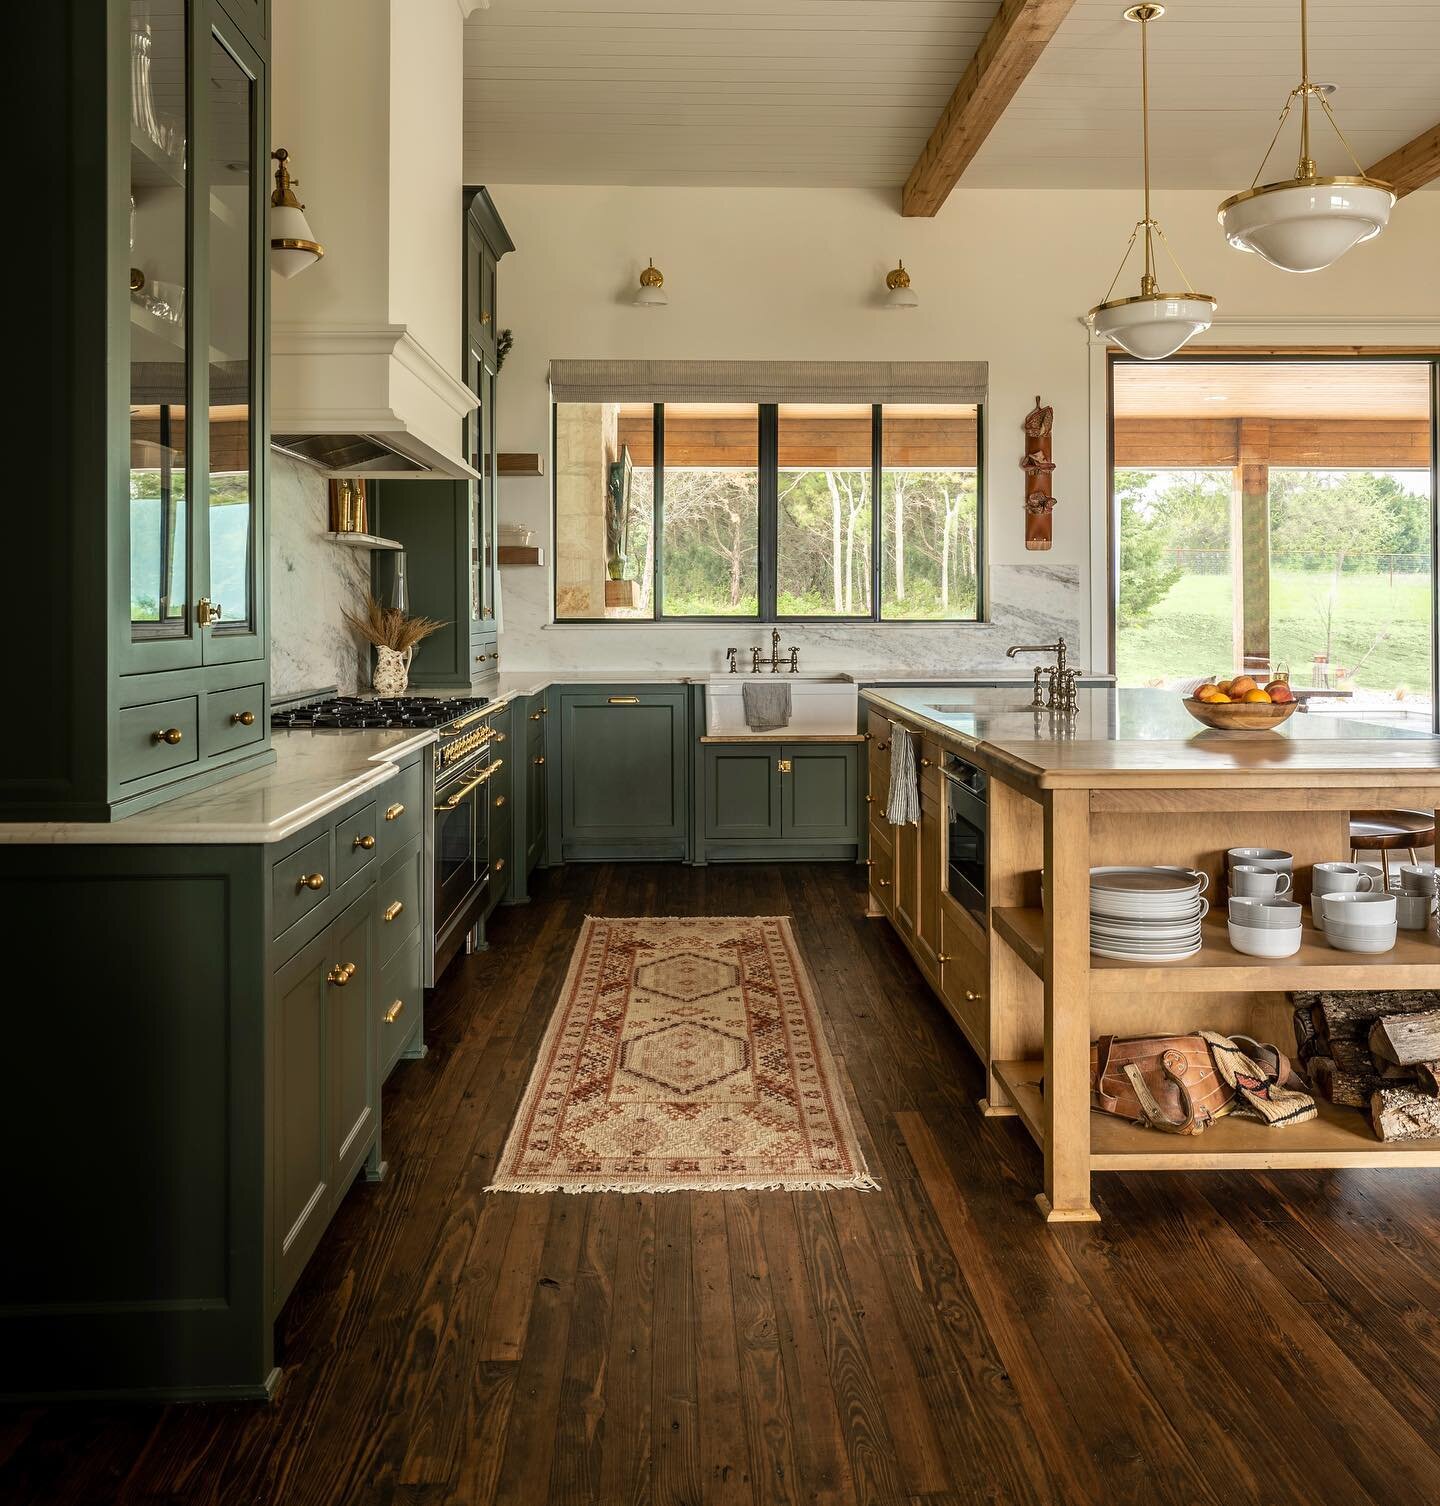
[[1017, 36], [1413, 165]]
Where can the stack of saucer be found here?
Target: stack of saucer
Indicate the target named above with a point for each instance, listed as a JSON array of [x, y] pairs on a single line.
[[1146, 914], [1415, 898], [1359, 922], [1265, 927]]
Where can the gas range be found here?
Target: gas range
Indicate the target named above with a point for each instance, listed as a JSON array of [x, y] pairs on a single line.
[[366, 713]]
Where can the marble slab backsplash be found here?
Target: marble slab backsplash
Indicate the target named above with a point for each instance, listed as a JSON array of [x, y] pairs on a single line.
[[1029, 603], [311, 582]]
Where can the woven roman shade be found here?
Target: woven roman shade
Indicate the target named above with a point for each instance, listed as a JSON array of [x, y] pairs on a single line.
[[768, 381]]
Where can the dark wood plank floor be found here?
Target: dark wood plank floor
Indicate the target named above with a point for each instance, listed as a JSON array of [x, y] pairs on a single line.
[[1217, 1340]]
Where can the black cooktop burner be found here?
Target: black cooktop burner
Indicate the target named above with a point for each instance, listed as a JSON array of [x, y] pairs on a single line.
[[359, 713]]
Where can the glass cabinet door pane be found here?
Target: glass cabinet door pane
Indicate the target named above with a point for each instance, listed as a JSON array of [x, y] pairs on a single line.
[[230, 508], [159, 329]]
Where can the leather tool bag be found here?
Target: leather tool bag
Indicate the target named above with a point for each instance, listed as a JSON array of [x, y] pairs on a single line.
[[1167, 1081]]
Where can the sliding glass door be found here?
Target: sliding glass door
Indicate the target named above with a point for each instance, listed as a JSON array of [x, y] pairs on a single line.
[[1277, 515]]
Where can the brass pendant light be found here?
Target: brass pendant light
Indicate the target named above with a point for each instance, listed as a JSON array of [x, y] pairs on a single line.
[[1153, 324], [1307, 222]]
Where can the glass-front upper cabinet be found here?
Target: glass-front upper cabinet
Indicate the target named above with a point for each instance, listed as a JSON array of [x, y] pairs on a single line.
[[195, 227]]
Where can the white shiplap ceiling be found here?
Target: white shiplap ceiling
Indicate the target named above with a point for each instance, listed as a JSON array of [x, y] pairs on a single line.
[[845, 92]]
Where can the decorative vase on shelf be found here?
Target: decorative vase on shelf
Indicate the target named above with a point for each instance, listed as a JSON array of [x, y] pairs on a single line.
[[392, 671]]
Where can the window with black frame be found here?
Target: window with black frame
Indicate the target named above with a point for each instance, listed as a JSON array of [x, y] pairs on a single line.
[[768, 511]]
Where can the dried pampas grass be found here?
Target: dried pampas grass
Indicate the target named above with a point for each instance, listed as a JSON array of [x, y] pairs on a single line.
[[389, 627]]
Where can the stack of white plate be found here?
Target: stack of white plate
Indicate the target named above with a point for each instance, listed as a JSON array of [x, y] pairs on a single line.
[[1146, 914]]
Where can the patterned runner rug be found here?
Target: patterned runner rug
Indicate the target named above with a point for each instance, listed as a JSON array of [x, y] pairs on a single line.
[[684, 1055]]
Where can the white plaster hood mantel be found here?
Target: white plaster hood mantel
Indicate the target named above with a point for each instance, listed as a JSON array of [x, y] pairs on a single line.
[[366, 343]]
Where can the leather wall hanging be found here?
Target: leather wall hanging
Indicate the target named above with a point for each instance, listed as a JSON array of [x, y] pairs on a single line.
[[1037, 466]]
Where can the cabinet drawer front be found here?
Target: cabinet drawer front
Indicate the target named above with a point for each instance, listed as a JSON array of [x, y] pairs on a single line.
[[234, 718], [397, 900], [294, 891], [398, 1001], [964, 975], [400, 809], [501, 836], [882, 866], [356, 842], [155, 737]]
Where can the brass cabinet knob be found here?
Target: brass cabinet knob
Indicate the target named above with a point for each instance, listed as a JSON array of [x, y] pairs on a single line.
[[393, 909], [207, 611], [499, 737], [363, 842], [881, 747], [243, 719], [499, 800], [884, 883], [540, 759], [481, 658], [499, 864], [340, 976], [971, 996], [869, 800], [924, 763], [394, 811], [544, 711], [869, 862], [395, 1011], [534, 716], [943, 957], [309, 881], [171, 735]]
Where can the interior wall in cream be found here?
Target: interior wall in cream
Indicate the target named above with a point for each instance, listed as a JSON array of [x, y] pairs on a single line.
[[1003, 276]]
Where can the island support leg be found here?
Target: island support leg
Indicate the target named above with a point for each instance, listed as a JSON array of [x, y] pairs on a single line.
[[1066, 1198]]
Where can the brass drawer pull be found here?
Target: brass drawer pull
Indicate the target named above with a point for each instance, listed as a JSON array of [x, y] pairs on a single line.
[[499, 800], [394, 812], [624, 700], [243, 719], [363, 842], [340, 976], [395, 1011], [309, 881], [171, 735], [393, 909]]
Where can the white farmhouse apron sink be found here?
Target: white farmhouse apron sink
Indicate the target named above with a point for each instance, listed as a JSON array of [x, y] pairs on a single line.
[[820, 705]]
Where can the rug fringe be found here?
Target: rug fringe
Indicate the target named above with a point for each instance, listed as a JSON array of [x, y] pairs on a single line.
[[861, 1182]]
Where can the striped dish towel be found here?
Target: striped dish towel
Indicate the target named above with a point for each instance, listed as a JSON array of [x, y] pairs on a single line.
[[903, 806]]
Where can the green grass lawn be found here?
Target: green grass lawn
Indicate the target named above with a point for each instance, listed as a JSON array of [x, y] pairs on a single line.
[[1189, 632]]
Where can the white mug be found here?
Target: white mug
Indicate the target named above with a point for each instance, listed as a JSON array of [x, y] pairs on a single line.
[[1260, 883]]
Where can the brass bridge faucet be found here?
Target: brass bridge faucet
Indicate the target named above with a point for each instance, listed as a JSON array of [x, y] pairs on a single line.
[[775, 661], [1061, 691]]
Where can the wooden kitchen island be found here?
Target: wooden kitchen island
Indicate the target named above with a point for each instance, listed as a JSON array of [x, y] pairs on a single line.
[[1130, 779]]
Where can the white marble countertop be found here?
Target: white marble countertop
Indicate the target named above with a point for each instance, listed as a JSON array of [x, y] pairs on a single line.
[[314, 772]]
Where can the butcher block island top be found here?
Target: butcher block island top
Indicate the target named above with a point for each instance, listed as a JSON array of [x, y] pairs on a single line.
[[1147, 737], [1131, 779]]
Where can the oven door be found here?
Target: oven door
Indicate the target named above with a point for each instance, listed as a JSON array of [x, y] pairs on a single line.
[[461, 816], [965, 845]]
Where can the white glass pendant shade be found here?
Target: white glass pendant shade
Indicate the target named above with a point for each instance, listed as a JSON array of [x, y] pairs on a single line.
[[1152, 326], [293, 246], [651, 293], [898, 292], [1307, 224]]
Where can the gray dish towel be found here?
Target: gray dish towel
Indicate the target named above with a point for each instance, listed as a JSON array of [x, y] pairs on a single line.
[[903, 806], [766, 706]]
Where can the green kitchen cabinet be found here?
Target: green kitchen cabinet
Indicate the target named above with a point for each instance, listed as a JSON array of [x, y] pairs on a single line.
[[763, 800], [622, 785], [529, 717], [143, 543], [448, 528]]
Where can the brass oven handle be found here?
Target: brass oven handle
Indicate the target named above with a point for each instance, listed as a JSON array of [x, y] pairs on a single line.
[[243, 719], [366, 842], [340, 976], [309, 881], [392, 910], [394, 811], [474, 716], [171, 735], [483, 777], [395, 1011]]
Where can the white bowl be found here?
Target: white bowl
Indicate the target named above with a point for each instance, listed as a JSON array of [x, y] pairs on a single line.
[[1413, 911], [1274, 858], [1264, 914], [1372, 940], [1364, 910], [1274, 942]]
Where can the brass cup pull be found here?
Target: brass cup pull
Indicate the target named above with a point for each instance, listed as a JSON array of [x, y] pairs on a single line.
[[393, 909], [171, 735], [341, 975], [395, 1011], [624, 700], [309, 881], [243, 719], [363, 842], [393, 812]]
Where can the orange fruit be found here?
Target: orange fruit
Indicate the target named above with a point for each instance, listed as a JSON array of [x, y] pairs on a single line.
[[1256, 697], [1218, 699]]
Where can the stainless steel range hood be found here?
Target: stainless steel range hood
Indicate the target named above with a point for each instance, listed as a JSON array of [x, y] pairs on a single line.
[[343, 454]]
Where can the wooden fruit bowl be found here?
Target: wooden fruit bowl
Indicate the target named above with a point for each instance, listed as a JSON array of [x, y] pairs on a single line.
[[1241, 716]]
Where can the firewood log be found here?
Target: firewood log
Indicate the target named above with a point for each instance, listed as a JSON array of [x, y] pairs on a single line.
[[1406, 1038], [1347, 1016], [1404, 1114], [1351, 1090], [1355, 1057], [1427, 1078]]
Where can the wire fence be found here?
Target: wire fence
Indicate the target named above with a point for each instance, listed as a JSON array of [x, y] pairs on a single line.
[[1356, 562]]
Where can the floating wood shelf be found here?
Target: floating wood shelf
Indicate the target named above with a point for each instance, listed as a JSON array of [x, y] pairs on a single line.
[[363, 541], [1337, 1137], [1413, 962], [513, 464], [521, 554]]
